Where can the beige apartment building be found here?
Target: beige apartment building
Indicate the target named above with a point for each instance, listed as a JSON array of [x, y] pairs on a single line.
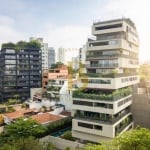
[[102, 104]]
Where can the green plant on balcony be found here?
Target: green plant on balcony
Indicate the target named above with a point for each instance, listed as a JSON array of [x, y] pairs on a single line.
[[117, 94]]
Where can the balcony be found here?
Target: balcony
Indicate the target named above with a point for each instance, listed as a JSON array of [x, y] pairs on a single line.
[[113, 56], [116, 95], [107, 28], [111, 44], [35, 78], [34, 73], [9, 90], [112, 65], [23, 84], [22, 72], [35, 58], [102, 118], [108, 75], [107, 83], [126, 123], [23, 79], [104, 44]]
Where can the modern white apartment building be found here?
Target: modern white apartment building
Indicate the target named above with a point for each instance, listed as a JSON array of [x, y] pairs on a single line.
[[101, 106], [44, 49]]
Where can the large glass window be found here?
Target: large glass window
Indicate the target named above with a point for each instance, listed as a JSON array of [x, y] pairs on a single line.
[[10, 51], [10, 56], [10, 61], [81, 124], [10, 67]]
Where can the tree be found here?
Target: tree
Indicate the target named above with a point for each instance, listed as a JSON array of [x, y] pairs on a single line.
[[27, 144], [56, 65], [136, 139], [1, 120], [24, 128], [144, 72], [94, 147]]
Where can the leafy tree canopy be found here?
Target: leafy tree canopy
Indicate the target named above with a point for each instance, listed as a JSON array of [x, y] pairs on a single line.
[[56, 65], [144, 72], [136, 139], [24, 128], [27, 144]]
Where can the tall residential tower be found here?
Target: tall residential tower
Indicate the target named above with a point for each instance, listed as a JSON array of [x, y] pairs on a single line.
[[51, 56], [20, 70], [101, 106], [44, 50]]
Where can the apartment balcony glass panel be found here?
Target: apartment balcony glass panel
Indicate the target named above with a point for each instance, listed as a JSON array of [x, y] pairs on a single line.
[[100, 117]]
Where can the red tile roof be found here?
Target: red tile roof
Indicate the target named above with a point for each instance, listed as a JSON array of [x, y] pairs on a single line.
[[45, 118], [18, 114]]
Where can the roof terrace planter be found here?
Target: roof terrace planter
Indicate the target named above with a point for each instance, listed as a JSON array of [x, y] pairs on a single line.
[[118, 94], [22, 45]]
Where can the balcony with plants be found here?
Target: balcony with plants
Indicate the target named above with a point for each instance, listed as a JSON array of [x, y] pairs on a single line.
[[92, 94], [101, 117], [22, 45], [123, 124]]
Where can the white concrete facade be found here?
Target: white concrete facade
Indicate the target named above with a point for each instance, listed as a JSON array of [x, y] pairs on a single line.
[[111, 71]]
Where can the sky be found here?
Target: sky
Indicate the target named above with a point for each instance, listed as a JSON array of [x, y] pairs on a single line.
[[67, 23]]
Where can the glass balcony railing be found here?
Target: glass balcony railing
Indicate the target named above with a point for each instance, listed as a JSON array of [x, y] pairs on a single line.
[[102, 118], [108, 75]]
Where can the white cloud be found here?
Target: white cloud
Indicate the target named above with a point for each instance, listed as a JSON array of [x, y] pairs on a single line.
[[67, 36], [138, 11], [7, 31]]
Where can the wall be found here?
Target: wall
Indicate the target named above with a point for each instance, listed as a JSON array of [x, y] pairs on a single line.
[[141, 110], [61, 144], [33, 91]]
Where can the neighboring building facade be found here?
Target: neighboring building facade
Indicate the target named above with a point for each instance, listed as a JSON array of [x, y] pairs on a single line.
[[101, 108], [65, 53], [82, 54], [141, 105], [44, 49], [20, 71], [51, 56], [61, 55], [75, 63]]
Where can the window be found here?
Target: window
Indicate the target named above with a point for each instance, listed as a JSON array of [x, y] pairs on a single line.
[[82, 103], [108, 27], [10, 51], [97, 127], [10, 61], [81, 124]]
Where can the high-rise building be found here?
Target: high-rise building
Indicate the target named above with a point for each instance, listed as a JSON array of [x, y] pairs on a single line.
[[51, 56], [82, 54], [101, 106], [65, 53], [61, 55], [20, 71], [44, 48]]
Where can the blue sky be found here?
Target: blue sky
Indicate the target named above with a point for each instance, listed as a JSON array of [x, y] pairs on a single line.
[[68, 23]]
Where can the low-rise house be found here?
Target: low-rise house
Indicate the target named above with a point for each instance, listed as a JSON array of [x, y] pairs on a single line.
[[8, 117], [46, 118]]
